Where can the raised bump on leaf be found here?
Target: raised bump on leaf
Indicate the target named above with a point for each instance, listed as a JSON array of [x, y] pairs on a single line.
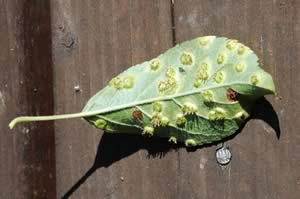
[[202, 74], [173, 139], [157, 107], [170, 72], [128, 82], [219, 77], [117, 83], [221, 59], [186, 58], [156, 119], [100, 123], [231, 44], [208, 96], [241, 50], [197, 83], [154, 65], [164, 121], [189, 108], [212, 115], [217, 114], [190, 142], [204, 41], [148, 131], [240, 67], [180, 119], [168, 85], [241, 115], [204, 66], [254, 79]]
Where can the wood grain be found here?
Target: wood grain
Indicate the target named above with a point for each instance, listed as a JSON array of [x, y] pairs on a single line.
[[56, 54], [262, 166], [94, 41], [27, 168]]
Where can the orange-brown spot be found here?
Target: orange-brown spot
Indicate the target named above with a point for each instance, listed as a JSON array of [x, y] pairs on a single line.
[[232, 95]]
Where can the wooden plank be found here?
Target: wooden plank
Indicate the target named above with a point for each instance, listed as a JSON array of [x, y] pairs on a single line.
[[262, 166], [94, 41], [26, 155]]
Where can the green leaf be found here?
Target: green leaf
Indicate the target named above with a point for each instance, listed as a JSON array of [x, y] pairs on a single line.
[[197, 92]]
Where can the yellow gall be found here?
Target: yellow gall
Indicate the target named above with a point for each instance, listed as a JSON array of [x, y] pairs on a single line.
[[128, 82], [173, 139], [231, 44], [162, 86], [217, 114], [189, 108], [164, 121], [204, 41], [254, 79], [186, 59], [241, 49], [240, 67], [202, 74], [148, 131], [100, 123], [156, 119], [242, 115], [208, 95], [197, 83], [190, 142], [117, 83], [220, 113], [170, 72], [220, 59], [212, 115], [154, 65], [219, 77], [204, 66], [180, 119], [157, 107]]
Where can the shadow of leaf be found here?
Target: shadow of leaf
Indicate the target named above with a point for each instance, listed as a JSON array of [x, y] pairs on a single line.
[[264, 110], [114, 147]]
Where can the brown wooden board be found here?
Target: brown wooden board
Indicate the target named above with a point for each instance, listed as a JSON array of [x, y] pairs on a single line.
[[56, 54], [94, 41], [27, 162], [262, 166]]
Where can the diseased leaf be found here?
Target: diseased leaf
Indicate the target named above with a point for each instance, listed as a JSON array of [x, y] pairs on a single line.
[[197, 92]]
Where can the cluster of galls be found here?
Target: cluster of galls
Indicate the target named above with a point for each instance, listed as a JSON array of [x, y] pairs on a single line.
[[186, 58], [169, 84], [217, 114], [187, 109], [122, 82], [201, 75], [158, 119]]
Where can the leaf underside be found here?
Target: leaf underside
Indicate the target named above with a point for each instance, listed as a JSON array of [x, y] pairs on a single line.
[[197, 92], [183, 94]]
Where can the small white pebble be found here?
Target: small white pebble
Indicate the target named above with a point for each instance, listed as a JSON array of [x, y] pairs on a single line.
[[77, 88]]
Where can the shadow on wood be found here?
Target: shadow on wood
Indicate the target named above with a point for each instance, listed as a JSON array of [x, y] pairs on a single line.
[[264, 110], [114, 147]]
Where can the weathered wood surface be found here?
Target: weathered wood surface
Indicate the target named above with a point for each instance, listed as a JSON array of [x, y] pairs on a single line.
[[27, 164], [92, 41], [262, 166]]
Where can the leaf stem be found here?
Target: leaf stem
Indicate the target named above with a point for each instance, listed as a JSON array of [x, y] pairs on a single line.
[[17, 120]]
